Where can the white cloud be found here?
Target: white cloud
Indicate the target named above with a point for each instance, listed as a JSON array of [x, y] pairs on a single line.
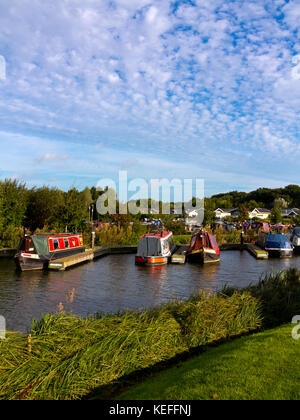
[[144, 75]]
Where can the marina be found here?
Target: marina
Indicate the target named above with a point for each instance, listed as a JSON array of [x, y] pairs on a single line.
[[115, 283]]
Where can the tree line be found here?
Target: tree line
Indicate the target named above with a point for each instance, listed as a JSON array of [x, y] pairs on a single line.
[[57, 210]]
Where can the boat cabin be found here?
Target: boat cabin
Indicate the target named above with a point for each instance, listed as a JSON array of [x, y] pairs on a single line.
[[37, 250], [155, 248]]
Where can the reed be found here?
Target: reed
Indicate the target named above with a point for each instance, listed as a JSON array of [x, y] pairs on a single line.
[[69, 356], [279, 294]]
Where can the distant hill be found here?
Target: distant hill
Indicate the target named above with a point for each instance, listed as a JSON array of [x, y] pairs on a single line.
[[262, 197]]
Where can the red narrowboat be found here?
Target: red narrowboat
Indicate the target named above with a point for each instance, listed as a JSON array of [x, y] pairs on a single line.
[[35, 251], [155, 248], [203, 248]]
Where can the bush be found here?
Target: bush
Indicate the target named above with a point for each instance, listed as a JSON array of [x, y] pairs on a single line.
[[10, 237]]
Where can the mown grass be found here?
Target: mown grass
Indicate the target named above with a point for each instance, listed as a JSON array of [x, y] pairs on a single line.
[[263, 366], [66, 357]]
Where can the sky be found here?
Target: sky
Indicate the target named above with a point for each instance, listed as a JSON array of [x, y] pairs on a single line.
[[162, 89]]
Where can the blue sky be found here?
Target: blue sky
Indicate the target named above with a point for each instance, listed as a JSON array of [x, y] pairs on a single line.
[[185, 89]]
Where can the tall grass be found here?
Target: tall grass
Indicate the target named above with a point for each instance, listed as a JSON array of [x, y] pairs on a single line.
[[117, 235], [65, 357], [234, 236], [278, 294]]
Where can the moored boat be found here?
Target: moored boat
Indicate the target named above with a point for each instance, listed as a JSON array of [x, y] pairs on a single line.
[[155, 248], [36, 251], [295, 239], [277, 244], [203, 248]]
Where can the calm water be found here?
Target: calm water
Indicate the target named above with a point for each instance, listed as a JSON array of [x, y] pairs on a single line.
[[115, 283]]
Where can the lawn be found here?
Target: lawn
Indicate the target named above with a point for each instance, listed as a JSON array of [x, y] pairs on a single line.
[[262, 366]]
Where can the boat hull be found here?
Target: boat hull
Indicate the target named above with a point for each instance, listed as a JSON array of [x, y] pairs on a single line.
[[280, 253], [297, 249], [150, 261], [203, 256], [27, 262]]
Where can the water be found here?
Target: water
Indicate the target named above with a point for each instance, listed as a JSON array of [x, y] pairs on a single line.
[[115, 283]]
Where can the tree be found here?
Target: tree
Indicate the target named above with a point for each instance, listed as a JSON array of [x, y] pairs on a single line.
[[13, 202], [281, 203], [276, 215], [73, 212], [87, 197], [43, 206], [244, 212]]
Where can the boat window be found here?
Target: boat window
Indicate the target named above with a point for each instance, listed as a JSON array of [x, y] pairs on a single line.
[[165, 246], [171, 242], [55, 244], [67, 245], [22, 245], [73, 241], [207, 243], [193, 242], [213, 241]]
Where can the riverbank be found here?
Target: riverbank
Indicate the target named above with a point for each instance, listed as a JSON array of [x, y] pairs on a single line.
[[69, 357], [263, 366]]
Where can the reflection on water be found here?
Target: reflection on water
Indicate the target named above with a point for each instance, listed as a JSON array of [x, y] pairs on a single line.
[[115, 283]]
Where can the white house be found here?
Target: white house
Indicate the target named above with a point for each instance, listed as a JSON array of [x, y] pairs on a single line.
[[193, 213], [259, 213], [225, 213], [290, 212]]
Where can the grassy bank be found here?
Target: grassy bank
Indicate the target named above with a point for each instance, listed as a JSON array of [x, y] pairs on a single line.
[[263, 366], [66, 357]]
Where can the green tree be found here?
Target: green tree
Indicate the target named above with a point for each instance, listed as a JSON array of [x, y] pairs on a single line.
[[244, 212], [72, 213], [43, 207], [87, 197], [280, 202], [13, 202], [276, 215]]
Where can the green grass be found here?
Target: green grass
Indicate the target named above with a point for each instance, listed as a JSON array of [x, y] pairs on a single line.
[[264, 366]]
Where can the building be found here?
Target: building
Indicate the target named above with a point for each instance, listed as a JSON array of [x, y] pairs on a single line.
[[259, 213], [290, 213], [225, 213]]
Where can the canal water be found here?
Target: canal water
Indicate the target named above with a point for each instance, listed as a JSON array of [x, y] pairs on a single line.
[[115, 283]]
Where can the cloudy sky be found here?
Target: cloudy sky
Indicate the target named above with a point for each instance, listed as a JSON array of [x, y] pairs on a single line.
[[185, 89]]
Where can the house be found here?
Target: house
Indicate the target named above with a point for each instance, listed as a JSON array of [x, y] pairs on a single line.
[[225, 213], [290, 213], [191, 224], [192, 213], [259, 213]]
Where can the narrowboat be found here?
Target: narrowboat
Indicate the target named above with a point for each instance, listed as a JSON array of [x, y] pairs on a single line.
[[203, 248], [155, 248], [295, 239], [36, 251], [277, 244]]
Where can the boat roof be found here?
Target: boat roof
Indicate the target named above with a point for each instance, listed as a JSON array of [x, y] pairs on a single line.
[[53, 235], [159, 235], [277, 238]]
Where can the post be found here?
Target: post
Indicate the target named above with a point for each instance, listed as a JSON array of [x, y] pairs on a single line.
[[93, 237], [242, 240]]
